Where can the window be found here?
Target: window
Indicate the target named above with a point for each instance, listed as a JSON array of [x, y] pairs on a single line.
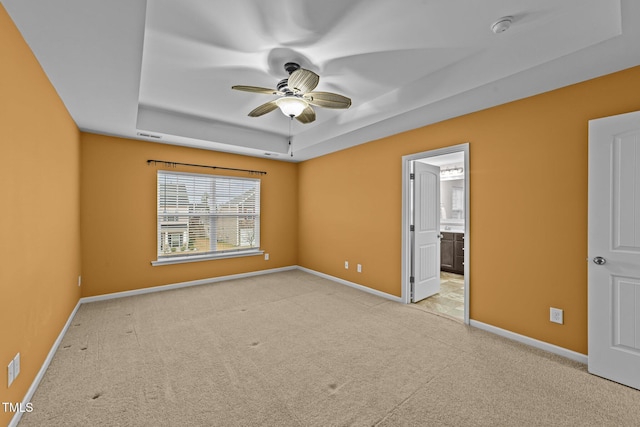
[[206, 216]]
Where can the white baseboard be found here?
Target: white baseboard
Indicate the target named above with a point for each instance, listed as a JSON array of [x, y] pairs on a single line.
[[182, 285], [560, 351], [353, 285], [232, 277], [43, 369]]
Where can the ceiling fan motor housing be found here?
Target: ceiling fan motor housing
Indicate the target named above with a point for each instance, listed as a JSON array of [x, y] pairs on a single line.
[[282, 86]]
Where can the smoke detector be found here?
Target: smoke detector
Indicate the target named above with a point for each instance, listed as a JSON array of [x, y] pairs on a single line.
[[502, 24]]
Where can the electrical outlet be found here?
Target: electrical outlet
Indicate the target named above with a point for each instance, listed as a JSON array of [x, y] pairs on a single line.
[[346, 265], [556, 315], [359, 268], [266, 257]]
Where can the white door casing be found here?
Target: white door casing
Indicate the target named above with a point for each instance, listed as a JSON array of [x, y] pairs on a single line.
[[614, 248], [426, 237]]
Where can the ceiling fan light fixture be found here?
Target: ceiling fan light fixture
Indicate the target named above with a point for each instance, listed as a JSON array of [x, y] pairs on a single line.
[[297, 96], [291, 106]]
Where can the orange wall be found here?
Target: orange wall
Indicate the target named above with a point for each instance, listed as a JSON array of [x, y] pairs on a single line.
[[119, 214], [528, 183], [40, 245]]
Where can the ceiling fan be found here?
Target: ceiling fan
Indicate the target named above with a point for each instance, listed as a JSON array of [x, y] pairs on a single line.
[[296, 95]]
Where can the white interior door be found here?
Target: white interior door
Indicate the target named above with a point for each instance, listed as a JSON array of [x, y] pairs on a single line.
[[614, 248], [426, 237]]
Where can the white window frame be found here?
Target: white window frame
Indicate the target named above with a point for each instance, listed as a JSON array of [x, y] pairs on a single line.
[[188, 210]]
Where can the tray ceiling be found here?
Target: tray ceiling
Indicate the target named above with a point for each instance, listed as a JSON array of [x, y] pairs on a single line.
[[162, 70]]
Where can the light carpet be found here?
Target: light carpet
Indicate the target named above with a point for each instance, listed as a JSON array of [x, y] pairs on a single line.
[[294, 349]]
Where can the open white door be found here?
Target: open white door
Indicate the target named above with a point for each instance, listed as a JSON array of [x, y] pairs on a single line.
[[614, 248], [426, 236]]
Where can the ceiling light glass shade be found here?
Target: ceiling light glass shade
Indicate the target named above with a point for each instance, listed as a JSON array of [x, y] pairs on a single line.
[[292, 106]]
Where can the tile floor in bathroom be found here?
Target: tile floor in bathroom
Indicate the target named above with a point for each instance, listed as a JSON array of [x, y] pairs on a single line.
[[450, 300]]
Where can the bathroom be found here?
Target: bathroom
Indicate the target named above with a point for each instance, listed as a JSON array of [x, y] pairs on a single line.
[[450, 301]]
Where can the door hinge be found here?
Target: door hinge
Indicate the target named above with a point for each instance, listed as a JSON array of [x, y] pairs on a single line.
[[412, 176], [412, 228], [411, 279]]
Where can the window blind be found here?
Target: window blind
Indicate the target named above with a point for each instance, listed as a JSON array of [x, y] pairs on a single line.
[[201, 215]]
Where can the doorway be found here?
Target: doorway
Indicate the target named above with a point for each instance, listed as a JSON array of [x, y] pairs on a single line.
[[452, 219]]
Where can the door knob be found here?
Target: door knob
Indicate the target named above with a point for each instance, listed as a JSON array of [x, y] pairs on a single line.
[[599, 260]]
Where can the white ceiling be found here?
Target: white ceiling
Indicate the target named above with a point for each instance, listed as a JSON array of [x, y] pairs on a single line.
[[165, 68]]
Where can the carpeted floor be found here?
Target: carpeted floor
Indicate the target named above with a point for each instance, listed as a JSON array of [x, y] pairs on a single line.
[[294, 349]]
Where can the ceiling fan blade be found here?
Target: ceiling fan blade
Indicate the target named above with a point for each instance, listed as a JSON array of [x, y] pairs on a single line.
[[263, 109], [307, 115], [303, 81], [327, 100], [256, 89]]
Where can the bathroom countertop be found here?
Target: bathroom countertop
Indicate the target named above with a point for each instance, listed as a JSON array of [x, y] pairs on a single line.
[[452, 230]]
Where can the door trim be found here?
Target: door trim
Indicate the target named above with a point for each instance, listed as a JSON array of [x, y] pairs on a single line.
[[406, 220]]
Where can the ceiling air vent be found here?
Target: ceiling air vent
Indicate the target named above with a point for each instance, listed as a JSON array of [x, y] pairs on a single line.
[[148, 135]]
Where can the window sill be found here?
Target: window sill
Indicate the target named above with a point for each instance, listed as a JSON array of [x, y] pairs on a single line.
[[206, 257]]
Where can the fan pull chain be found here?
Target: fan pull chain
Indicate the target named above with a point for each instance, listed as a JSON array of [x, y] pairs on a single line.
[[290, 145]]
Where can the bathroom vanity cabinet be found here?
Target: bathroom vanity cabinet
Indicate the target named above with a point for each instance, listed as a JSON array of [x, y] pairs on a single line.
[[452, 252]]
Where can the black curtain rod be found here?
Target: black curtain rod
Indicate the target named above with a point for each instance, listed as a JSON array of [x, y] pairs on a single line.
[[174, 164]]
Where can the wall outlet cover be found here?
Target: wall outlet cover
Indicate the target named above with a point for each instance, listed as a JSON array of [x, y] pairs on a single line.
[[556, 315]]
